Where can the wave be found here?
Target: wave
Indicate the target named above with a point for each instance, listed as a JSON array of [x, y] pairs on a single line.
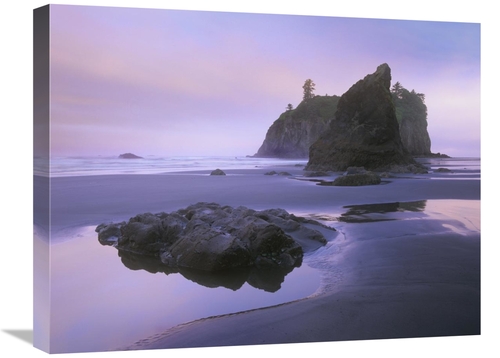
[[86, 166]]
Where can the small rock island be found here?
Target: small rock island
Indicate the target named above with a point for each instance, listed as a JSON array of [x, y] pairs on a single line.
[[129, 156]]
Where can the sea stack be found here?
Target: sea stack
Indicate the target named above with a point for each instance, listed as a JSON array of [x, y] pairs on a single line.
[[411, 113], [291, 135], [364, 131]]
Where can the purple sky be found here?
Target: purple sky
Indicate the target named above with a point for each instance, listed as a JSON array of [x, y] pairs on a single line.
[[170, 82]]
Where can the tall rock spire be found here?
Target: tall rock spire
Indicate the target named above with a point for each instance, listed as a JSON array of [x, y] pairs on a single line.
[[364, 131]]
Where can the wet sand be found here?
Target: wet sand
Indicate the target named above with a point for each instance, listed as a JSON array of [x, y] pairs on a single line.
[[397, 288], [382, 279], [390, 274], [82, 201]]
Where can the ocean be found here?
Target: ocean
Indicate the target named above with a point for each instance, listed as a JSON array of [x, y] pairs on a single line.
[[106, 165], [101, 165]]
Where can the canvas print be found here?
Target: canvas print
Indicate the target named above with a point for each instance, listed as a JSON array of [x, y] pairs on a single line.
[[209, 179]]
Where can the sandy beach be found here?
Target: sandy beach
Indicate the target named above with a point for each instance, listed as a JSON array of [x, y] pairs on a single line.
[[408, 266]]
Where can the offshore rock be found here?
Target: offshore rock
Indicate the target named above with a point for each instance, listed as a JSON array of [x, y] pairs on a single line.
[[357, 179], [315, 174], [210, 237], [291, 135], [217, 172], [364, 131], [129, 156]]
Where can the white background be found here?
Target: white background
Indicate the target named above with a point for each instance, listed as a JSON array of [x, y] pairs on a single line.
[[16, 185]]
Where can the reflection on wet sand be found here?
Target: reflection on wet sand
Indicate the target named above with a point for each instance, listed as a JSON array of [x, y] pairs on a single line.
[[459, 216], [267, 279], [371, 212], [105, 301]]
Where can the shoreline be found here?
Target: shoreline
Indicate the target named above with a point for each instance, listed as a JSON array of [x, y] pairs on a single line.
[[359, 289]]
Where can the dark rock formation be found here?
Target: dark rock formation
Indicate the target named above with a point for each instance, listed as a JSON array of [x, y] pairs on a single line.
[[411, 113], [210, 237], [273, 172], [217, 172], [355, 170], [364, 131], [129, 156], [291, 135], [434, 155], [407, 169], [315, 174], [357, 179], [354, 176]]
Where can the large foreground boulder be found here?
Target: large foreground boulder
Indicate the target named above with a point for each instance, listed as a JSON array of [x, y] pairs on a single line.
[[211, 237], [364, 131]]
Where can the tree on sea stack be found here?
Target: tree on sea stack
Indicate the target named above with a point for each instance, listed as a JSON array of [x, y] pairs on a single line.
[[397, 90], [308, 89]]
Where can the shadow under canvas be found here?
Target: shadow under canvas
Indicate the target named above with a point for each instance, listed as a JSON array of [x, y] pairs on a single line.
[[25, 335]]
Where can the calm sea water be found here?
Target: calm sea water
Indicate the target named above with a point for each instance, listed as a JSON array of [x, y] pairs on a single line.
[[79, 166]]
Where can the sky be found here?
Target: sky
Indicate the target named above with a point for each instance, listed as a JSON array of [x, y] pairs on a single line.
[[180, 82]]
